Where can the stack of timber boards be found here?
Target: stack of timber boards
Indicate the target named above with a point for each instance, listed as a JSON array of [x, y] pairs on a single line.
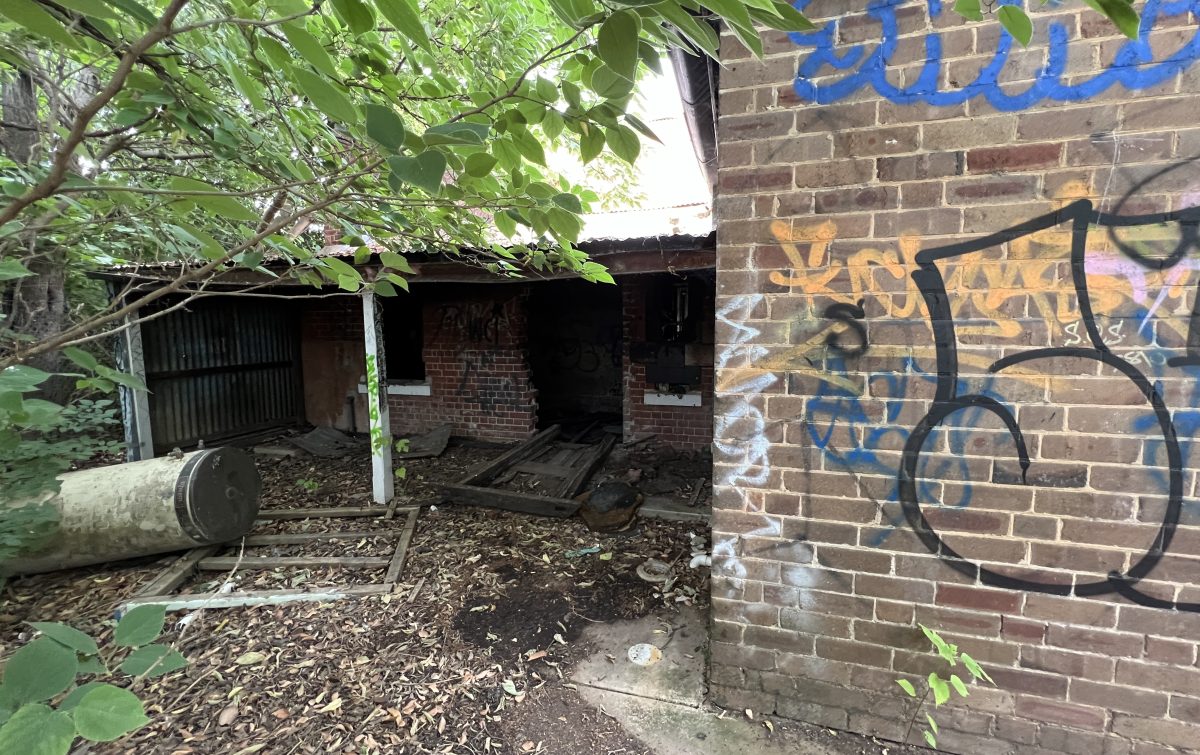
[[560, 468]]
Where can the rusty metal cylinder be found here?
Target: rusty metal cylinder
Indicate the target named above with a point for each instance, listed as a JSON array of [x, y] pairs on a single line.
[[148, 507]]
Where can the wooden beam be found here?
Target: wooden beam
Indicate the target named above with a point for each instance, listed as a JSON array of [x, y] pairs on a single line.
[[175, 574], [521, 452], [553, 470], [382, 480], [299, 538], [254, 597], [512, 501], [225, 563], [333, 512], [393, 572], [588, 467]]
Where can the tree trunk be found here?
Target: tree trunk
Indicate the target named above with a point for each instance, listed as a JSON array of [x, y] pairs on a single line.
[[35, 306]]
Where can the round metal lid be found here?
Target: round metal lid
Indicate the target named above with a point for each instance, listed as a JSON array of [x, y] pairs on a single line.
[[216, 495]]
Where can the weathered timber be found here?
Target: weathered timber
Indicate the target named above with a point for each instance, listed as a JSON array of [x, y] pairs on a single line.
[[521, 452], [225, 563], [587, 468], [397, 562], [254, 597], [175, 574], [333, 512], [512, 501], [299, 538]]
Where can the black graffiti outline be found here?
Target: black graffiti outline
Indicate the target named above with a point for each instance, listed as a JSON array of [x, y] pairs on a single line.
[[851, 315], [1082, 216]]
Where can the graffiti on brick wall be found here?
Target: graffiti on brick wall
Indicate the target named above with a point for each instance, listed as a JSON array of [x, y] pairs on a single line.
[[740, 434], [832, 72], [949, 400], [952, 325], [475, 322]]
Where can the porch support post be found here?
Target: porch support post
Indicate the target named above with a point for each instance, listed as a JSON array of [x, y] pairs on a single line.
[[382, 480], [135, 405]]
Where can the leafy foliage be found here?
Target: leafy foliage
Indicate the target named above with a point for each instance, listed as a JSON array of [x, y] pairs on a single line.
[[48, 668], [941, 688]]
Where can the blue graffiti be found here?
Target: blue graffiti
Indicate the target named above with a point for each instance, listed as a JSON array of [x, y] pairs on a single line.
[[834, 407], [1133, 66]]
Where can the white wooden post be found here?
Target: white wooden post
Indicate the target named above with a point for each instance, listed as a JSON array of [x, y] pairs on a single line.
[[135, 405], [382, 479]]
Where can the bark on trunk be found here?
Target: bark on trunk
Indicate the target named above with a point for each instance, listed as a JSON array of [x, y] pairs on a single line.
[[35, 306]]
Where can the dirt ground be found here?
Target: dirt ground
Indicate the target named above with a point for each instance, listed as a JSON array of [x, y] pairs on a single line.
[[471, 654]]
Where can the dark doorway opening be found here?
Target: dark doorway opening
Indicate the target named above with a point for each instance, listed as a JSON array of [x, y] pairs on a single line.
[[575, 348]]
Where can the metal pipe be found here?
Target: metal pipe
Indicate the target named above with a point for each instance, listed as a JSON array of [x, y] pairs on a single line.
[[145, 507]]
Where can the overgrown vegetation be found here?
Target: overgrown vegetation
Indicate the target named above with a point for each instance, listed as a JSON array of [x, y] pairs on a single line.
[[44, 705], [941, 688]]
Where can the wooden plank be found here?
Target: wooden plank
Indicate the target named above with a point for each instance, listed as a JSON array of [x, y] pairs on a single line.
[[225, 563], [333, 512], [397, 563], [253, 597], [175, 574], [537, 467], [520, 453], [587, 468], [512, 501], [299, 538]]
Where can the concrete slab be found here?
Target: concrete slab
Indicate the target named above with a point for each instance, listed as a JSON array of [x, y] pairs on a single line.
[[677, 678], [672, 729]]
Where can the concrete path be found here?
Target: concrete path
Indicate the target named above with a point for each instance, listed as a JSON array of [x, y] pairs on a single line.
[[662, 704]]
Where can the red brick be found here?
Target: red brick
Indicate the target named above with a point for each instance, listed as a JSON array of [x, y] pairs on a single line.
[[1079, 716], [1016, 157]]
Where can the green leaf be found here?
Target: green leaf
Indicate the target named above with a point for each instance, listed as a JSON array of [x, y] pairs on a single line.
[[70, 637], [736, 15], [106, 713], [459, 132], [140, 626], [210, 198], [930, 739], [1016, 22], [573, 12], [34, 19], [1121, 13], [480, 164], [357, 15], [528, 145], [37, 730], [641, 127], [623, 142], [969, 9], [93, 8], [907, 687], [74, 696], [793, 20], [152, 661], [568, 202], [310, 48], [404, 15], [11, 269], [395, 261], [697, 32], [385, 127], [135, 9], [974, 667], [505, 224], [958, 685], [941, 692], [325, 96], [932, 724], [610, 84], [39, 671], [424, 171], [617, 42], [591, 144], [247, 86]]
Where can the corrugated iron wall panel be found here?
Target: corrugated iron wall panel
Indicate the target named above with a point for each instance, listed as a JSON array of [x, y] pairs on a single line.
[[222, 367]]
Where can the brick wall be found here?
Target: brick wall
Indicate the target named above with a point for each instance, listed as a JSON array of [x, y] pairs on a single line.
[[474, 353], [952, 389], [682, 427], [475, 362]]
